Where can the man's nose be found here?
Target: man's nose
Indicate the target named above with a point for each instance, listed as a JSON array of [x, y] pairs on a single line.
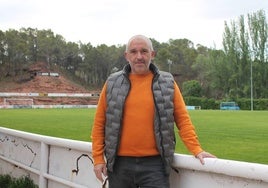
[[139, 55]]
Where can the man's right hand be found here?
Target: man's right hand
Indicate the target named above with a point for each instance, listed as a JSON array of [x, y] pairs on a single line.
[[100, 171]]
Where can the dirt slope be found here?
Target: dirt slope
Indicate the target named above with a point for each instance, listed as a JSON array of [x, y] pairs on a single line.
[[34, 82]]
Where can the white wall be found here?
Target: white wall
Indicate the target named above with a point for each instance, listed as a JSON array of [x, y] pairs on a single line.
[[61, 163]]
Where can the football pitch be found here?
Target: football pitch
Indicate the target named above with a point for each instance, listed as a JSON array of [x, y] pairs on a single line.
[[234, 135]]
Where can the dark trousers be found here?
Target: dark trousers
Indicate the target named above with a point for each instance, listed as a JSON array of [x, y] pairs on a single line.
[[138, 172]]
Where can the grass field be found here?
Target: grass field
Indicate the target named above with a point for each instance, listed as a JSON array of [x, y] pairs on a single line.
[[235, 135]]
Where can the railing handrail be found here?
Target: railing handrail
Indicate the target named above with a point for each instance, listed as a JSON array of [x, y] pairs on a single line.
[[55, 141], [233, 168], [245, 170]]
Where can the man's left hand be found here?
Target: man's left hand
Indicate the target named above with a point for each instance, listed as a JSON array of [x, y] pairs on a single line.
[[203, 155]]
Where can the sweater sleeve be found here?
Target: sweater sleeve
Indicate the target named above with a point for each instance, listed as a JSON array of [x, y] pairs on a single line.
[[98, 130], [184, 124]]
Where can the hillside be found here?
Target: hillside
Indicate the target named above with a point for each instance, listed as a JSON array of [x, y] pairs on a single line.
[[35, 80]]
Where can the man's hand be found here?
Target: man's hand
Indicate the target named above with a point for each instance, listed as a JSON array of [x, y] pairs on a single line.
[[203, 155], [100, 171]]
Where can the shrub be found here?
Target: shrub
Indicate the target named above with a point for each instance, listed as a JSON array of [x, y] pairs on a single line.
[[243, 103], [6, 181], [192, 88]]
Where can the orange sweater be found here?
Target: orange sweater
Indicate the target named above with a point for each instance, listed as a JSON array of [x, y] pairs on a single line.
[[137, 138]]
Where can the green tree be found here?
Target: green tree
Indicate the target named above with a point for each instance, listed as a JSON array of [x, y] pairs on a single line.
[[183, 55], [192, 88], [244, 58], [230, 44], [16, 51], [258, 33]]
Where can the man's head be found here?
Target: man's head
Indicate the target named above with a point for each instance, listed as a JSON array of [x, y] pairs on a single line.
[[139, 53]]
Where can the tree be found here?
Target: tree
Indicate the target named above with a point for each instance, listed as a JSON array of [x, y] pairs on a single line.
[[230, 44], [258, 33], [221, 73], [183, 55], [244, 58], [192, 88], [16, 51]]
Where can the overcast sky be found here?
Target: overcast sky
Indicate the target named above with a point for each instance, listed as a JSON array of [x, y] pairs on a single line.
[[113, 22]]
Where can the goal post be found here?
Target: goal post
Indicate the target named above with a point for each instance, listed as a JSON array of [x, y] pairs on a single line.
[[19, 102], [193, 107]]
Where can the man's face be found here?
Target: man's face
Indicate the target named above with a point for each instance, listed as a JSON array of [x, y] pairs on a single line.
[[139, 56]]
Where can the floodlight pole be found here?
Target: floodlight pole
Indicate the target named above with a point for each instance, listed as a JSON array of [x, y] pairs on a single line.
[[169, 62], [251, 86]]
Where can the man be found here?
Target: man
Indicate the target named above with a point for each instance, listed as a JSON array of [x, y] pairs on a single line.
[[133, 133]]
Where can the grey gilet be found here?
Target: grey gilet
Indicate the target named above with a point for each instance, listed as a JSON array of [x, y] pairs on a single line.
[[118, 86]]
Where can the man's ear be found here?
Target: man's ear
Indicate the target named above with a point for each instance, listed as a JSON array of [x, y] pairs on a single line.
[[126, 57], [153, 54]]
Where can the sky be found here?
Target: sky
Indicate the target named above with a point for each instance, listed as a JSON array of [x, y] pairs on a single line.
[[113, 22]]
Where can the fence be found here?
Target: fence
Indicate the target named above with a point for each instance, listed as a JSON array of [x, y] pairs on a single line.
[[61, 163], [47, 106]]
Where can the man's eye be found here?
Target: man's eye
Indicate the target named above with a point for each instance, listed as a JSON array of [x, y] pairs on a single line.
[[144, 51]]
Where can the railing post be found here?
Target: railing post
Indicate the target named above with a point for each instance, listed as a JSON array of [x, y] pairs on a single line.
[[43, 165]]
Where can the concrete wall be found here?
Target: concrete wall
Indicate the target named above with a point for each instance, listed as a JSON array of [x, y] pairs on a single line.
[[61, 163]]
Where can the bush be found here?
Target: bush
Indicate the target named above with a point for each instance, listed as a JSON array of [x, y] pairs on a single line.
[[192, 88], [6, 181], [205, 103], [258, 104], [243, 103]]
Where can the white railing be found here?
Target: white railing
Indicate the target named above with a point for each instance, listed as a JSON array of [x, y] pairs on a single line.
[[47, 106], [62, 163]]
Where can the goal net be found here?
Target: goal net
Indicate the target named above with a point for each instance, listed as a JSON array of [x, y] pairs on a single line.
[[18, 102]]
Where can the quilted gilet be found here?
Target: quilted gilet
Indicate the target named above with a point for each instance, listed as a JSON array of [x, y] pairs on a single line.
[[118, 86]]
